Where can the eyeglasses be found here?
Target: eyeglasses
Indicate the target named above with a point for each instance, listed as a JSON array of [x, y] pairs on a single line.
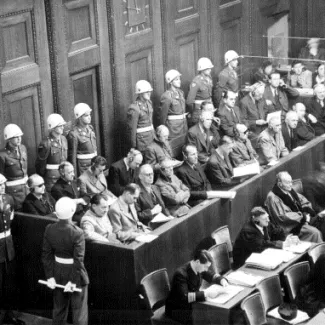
[[246, 131], [40, 185], [149, 174]]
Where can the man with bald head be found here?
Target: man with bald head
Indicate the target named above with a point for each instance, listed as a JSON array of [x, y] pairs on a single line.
[[150, 202], [289, 131], [305, 132], [316, 110], [270, 143]]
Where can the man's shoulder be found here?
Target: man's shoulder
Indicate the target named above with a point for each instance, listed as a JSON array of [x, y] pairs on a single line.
[[117, 164]]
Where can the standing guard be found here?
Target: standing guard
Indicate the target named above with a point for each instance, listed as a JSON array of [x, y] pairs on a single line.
[[140, 131], [200, 90], [172, 106], [82, 145], [13, 164], [52, 151]]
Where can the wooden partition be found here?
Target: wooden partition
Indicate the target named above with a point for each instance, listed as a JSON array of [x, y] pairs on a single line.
[[115, 271]]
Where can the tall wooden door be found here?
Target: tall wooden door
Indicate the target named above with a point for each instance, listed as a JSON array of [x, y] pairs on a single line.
[[81, 63], [26, 92]]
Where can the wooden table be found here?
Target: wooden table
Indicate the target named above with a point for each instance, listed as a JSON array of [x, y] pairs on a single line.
[[319, 319]]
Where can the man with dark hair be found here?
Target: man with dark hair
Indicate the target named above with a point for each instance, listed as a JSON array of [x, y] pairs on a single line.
[[289, 130], [257, 234], [186, 283], [300, 76]]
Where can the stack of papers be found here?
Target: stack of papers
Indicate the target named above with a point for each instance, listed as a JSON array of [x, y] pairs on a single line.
[[264, 262], [251, 169], [242, 278], [160, 217], [299, 248], [147, 238], [301, 316], [285, 255], [229, 292]]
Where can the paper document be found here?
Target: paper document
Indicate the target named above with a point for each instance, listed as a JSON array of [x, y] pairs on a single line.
[[160, 217], [301, 316], [299, 248], [264, 262], [251, 169], [273, 162], [274, 114], [298, 148], [285, 255], [245, 279], [230, 292], [222, 194], [305, 92], [146, 238]]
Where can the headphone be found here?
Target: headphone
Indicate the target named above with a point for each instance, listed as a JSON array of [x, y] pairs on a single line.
[[257, 222]]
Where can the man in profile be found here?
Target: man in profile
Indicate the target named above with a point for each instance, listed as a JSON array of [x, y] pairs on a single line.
[[289, 130], [305, 132]]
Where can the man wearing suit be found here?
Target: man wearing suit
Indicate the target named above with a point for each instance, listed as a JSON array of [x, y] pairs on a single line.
[[124, 171], [186, 283], [63, 261], [123, 215], [68, 186], [229, 114], [316, 110], [38, 201], [150, 202], [201, 137], [289, 130], [305, 132]]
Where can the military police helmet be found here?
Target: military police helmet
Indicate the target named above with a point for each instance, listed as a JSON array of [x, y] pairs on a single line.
[[12, 131], [171, 75], [230, 56], [204, 63], [142, 86], [81, 109], [55, 120], [65, 208], [2, 179]]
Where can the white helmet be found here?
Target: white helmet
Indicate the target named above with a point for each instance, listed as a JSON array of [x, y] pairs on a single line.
[[171, 75], [65, 208], [203, 64], [2, 179], [11, 131], [142, 86], [230, 56], [81, 109], [55, 120]]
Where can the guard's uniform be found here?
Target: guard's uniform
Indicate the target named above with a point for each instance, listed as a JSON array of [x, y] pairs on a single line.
[[13, 165], [63, 259], [51, 153], [140, 131], [200, 91], [82, 147], [172, 112]]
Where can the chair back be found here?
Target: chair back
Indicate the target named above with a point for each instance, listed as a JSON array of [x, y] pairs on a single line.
[[295, 276], [315, 253], [220, 257], [297, 186], [156, 287], [270, 291], [222, 235], [254, 310]]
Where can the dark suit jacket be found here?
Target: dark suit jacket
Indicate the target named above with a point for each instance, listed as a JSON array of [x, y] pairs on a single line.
[[228, 121], [145, 203], [318, 111], [195, 180], [35, 206], [289, 142], [204, 147], [305, 132], [251, 240], [119, 177]]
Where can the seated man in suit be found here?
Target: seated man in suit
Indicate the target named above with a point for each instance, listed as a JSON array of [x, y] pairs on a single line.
[[93, 180], [292, 211], [124, 171], [174, 193], [229, 114], [186, 283], [66, 185], [123, 215], [242, 152], [300, 77], [305, 132], [316, 110], [201, 137], [150, 202], [257, 234], [289, 130], [38, 201], [270, 143], [95, 222]]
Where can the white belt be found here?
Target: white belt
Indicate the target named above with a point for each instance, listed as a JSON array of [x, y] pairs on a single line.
[[63, 260], [199, 102], [50, 166], [177, 117], [87, 156], [145, 129], [5, 234], [21, 181]]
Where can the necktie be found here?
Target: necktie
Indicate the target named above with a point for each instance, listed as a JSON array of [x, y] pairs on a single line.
[[321, 103], [1, 203]]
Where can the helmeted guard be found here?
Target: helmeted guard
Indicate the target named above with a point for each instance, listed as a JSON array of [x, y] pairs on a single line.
[[82, 146], [200, 90], [13, 164], [140, 131], [52, 151], [171, 111]]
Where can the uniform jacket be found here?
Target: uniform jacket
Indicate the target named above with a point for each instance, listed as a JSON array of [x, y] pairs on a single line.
[[35, 206], [204, 146], [7, 250], [289, 141], [145, 203], [156, 152], [228, 120], [172, 102], [304, 80], [305, 132], [119, 177], [139, 115], [65, 240], [318, 111], [200, 89], [270, 147], [251, 240], [242, 152]]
